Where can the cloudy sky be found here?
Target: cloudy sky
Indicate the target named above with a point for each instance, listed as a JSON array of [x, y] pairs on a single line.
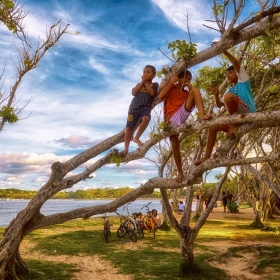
[[80, 93]]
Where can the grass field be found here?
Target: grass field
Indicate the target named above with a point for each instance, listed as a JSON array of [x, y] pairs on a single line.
[[225, 240]]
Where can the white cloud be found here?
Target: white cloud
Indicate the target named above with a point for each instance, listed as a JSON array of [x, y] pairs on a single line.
[[77, 141], [176, 11], [26, 163], [99, 66], [40, 180], [14, 178], [144, 172]]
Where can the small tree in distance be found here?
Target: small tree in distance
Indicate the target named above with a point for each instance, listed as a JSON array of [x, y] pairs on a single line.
[[12, 15]]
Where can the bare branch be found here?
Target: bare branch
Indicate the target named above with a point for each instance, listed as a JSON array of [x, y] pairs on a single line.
[[165, 55], [255, 19]]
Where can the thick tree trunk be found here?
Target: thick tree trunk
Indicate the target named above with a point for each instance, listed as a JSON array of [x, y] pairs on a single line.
[[15, 267], [257, 223], [186, 244]]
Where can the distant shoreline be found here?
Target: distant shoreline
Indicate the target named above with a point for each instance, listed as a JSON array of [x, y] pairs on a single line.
[[10, 208], [103, 198]]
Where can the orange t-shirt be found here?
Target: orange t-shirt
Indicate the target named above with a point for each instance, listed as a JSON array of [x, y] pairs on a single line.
[[173, 101]]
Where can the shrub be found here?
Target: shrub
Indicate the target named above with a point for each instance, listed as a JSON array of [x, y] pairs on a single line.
[[232, 207]]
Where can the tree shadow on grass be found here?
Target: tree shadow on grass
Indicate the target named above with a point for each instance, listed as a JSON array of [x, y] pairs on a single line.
[[214, 222], [43, 270], [75, 243], [202, 270]]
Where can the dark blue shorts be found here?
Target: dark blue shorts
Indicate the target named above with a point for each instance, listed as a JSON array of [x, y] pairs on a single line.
[[132, 118]]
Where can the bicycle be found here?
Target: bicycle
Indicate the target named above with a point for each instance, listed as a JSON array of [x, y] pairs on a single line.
[[106, 228], [129, 217], [126, 227], [139, 228], [132, 219], [149, 222]]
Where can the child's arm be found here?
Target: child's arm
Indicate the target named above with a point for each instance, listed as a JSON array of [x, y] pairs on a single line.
[[145, 83], [215, 92], [137, 88], [233, 60], [150, 90], [165, 90]]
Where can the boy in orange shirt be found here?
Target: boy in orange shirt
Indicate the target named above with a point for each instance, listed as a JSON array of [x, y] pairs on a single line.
[[178, 105]]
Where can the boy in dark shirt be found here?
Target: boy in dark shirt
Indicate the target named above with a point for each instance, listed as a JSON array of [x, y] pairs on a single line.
[[140, 107]]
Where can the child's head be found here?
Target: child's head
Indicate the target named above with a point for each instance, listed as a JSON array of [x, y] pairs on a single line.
[[153, 68], [185, 73], [231, 75], [150, 70], [154, 212]]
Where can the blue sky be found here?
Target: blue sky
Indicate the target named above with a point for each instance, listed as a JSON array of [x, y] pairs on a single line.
[[80, 93]]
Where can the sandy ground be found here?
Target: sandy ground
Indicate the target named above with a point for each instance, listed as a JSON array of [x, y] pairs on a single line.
[[96, 268]]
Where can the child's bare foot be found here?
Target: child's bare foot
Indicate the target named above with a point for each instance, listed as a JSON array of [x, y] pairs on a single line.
[[138, 142], [206, 117], [198, 162], [232, 130], [124, 152], [179, 178]]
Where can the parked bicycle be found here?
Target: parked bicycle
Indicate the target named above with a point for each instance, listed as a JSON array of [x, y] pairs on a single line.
[[126, 227], [149, 221], [132, 218], [129, 217], [138, 224], [106, 228]]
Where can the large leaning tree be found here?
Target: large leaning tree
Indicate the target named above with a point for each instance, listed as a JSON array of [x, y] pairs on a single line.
[[261, 23]]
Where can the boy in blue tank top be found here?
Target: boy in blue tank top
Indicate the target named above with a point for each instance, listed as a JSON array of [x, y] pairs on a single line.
[[237, 99]]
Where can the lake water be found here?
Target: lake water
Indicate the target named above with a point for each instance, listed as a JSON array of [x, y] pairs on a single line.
[[10, 208]]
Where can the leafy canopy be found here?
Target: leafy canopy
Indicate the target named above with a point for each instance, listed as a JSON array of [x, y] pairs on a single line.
[[6, 17]]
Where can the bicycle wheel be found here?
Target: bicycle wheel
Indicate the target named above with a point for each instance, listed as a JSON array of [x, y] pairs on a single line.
[[121, 232], [129, 224], [132, 235]]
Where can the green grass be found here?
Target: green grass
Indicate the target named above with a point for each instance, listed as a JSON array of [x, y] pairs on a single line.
[[150, 258], [244, 205], [49, 270]]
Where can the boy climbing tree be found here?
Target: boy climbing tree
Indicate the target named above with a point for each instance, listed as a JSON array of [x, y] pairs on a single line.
[[237, 99], [178, 106]]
